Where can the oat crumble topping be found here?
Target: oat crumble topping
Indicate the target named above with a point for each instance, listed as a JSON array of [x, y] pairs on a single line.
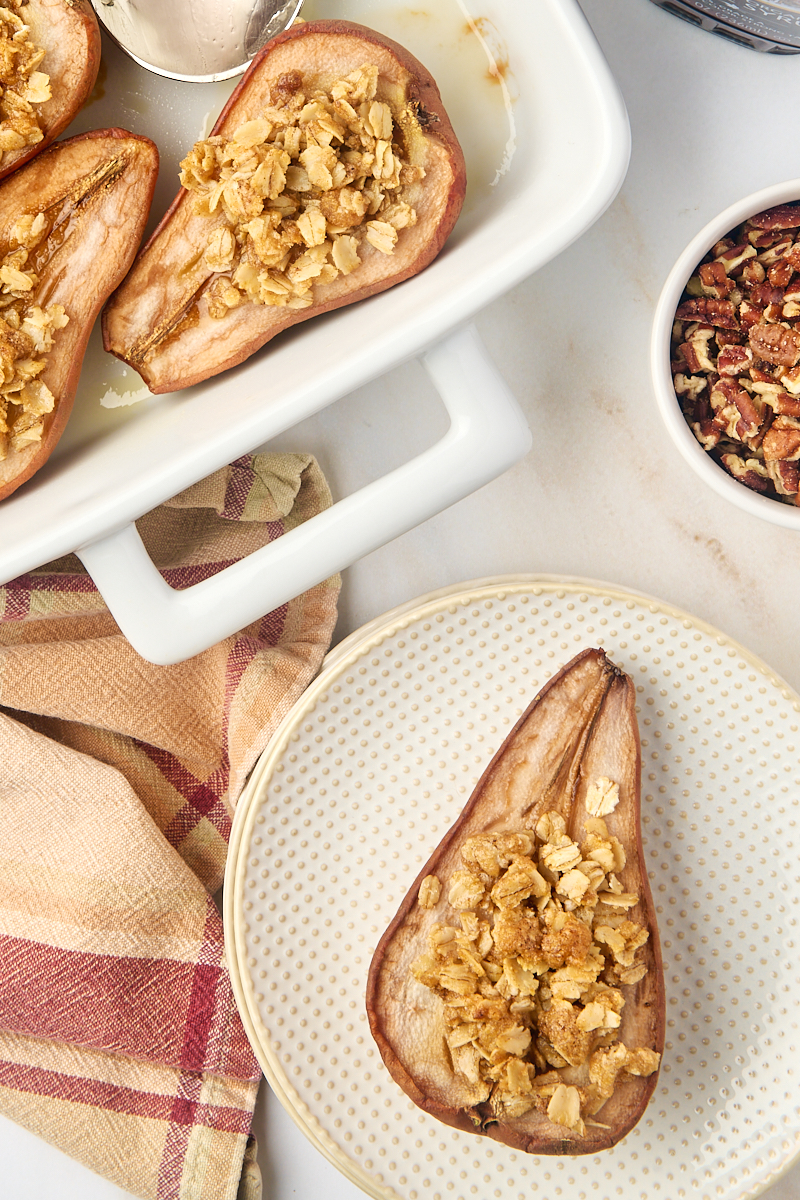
[[531, 976], [26, 336], [301, 188], [22, 86]]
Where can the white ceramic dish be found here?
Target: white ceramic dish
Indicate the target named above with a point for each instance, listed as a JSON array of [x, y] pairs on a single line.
[[372, 767], [545, 107], [709, 471]]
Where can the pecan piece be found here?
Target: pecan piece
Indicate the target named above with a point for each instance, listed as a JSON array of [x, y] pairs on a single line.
[[763, 238], [734, 410], [764, 294], [690, 386], [775, 253], [753, 272], [711, 312], [782, 404], [780, 273], [734, 259], [715, 281], [782, 440], [790, 379], [749, 314], [733, 360], [782, 216], [776, 344], [695, 350], [722, 247], [707, 433], [751, 473], [785, 476], [729, 337]]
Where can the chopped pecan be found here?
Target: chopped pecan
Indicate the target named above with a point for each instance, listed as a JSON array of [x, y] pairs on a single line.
[[708, 434], [752, 474], [736, 353], [690, 386], [749, 314], [761, 238], [785, 476], [780, 273], [782, 404], [734, 259], [775, 344], [763, 294], [729, 337], [695, 350], [782, 216], [710, 312], [782, 440], [753, 272], [789, 379], [775, 253], [715, 280], [733, 360], [722, 247]]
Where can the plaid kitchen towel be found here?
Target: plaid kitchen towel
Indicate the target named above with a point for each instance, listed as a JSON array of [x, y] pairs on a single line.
[[119, 1038]]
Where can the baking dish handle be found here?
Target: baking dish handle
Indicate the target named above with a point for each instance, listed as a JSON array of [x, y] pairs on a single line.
[[487, 434]]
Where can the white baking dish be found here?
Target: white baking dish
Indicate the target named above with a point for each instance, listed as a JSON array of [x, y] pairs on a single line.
[[543, 105]]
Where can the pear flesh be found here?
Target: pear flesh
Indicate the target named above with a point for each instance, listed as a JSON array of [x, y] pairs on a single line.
[[579, 730]]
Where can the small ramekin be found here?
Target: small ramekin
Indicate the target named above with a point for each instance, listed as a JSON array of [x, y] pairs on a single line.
[[708, 470]]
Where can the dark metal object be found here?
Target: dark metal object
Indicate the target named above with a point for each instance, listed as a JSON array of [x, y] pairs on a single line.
[[755, 24]]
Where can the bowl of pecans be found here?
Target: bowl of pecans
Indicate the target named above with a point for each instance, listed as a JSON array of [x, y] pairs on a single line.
[[725, 354]]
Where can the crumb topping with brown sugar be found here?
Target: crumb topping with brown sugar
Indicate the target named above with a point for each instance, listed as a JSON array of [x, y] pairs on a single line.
[[298, 191], [26, 337], [532, 973], [22, 85]]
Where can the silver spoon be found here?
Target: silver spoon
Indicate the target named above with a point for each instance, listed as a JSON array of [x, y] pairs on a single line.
[[199, 41]]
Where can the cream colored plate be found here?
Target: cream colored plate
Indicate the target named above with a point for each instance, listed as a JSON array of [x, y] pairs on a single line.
[[369, 771]]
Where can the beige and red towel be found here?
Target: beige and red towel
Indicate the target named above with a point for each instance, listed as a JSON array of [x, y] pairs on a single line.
[[119, 1038]]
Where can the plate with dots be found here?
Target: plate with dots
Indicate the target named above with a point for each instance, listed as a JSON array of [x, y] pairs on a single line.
[[368, 772]]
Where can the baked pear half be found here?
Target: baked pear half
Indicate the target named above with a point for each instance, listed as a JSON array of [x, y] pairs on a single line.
[[47, 77], [70, 223], [332, 173], [518, 992]]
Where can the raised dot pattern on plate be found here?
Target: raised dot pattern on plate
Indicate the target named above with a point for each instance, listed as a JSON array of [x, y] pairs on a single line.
[[371, 775]]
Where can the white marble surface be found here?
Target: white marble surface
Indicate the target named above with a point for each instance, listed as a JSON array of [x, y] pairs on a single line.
[[603, 494]]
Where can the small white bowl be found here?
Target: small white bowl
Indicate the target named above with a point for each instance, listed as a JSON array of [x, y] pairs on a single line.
[[709, 471]]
